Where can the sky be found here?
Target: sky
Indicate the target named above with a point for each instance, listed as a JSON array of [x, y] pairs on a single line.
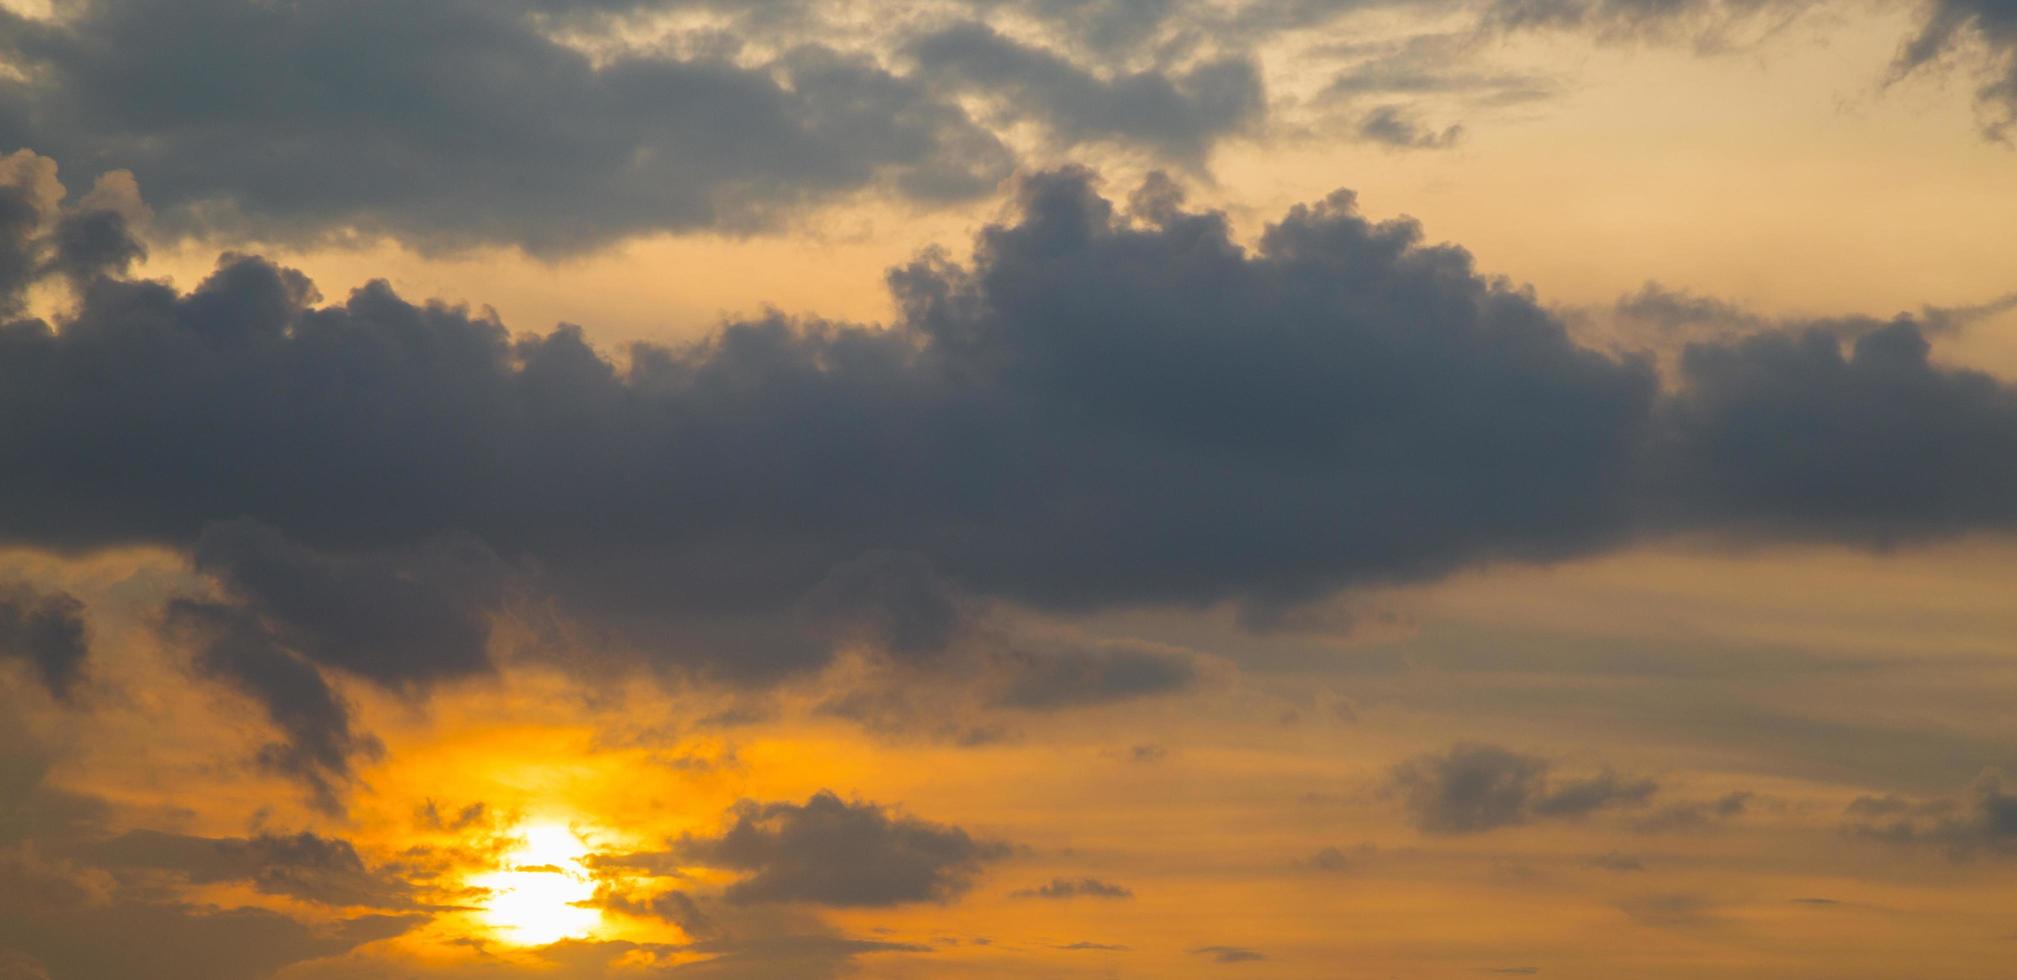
[[1007, 488]]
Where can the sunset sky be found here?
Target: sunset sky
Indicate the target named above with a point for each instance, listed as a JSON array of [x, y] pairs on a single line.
[[1008, 488]]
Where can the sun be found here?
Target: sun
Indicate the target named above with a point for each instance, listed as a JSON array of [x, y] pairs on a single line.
[[538, 894]]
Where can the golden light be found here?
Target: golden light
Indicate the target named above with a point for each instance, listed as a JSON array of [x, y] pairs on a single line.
[[538, 895]]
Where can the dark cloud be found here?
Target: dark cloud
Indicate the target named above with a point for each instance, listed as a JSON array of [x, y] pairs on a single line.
[[892, 601], [1473, 788], [469, 121], [306, 866], [1073, 421], [1100, 410], [1230, 954], [46, 631], [831, 852], [674, 906], [392, 618], [1180, 114], [1057, 677], [229, 644], [68, 919], [1809, 435], [1075, 888], [1982, 821]]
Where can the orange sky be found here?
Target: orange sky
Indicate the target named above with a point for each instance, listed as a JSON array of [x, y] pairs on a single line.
[[1593, 645]]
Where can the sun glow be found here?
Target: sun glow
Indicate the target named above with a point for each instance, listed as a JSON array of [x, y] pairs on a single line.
[[537, 894]]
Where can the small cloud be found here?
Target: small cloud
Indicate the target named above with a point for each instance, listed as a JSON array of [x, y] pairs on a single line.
[[1075, 888], [1230, 954], [1615, 861], [1336, 860]]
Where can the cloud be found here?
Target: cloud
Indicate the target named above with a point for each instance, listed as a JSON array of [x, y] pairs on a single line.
[[1044, 678], [1101, 409], [831, 852], [1393, 126], [1950, 28], [68, 919], [1230, 954], [1790, 435], [392, 618], [1336, 860], [46, 631], [1710, 25], [1615, 861], [306, 866], [1472, 788], [470, 122], [1982, 821], [318, 742], [1181, 115], [674, 906], [1696, 814], [1075, 888]]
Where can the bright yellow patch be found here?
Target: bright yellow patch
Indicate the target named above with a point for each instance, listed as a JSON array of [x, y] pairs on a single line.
[[537, 894]]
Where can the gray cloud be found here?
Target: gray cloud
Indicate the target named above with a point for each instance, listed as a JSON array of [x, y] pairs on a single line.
[[1041, 678], [1696, 814], [60, 915], [1473, 788], [1393, 126], [1075, 888], [391, 618], [1950, 27], [45, 630], [306, 866], [469, 122], [831, 852], [1102, 409], [1180, 114], [230, 645], [1981, 821], [1012, 429], [1230, 954], [1867, 440]]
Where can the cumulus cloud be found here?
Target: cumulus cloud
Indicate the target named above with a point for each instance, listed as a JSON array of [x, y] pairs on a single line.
[[1472, 788], [1103, 408], [828, 851]]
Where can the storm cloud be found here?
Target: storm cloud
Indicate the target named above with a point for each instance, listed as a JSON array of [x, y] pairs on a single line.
[[1106, 407]]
